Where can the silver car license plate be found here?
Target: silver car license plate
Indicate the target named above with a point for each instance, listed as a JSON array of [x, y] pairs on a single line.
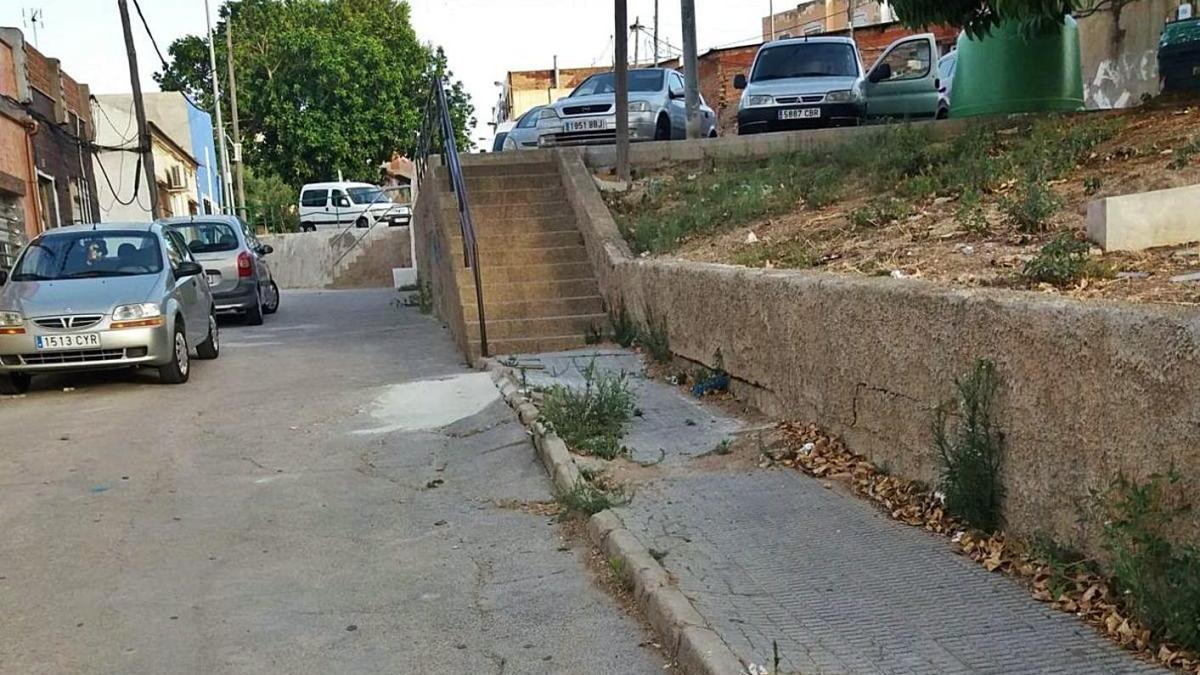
[[800, 114], [583, 125], [50, 343]]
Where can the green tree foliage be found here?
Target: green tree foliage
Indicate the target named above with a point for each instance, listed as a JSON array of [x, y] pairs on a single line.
[[271, 202], [323, 85], [977, 17]]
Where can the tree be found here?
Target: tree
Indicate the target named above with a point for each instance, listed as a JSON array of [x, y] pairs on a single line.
[[977, 17], [324, 85], [271, 201]]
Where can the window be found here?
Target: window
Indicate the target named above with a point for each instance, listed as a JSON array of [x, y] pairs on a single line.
[[81, 201], [174, 249], [78, 255], [315, 198], [677, 87], [806, 59], [946, 66], [12, 228], [207, 237], [605, 83], [367, 195], [339, 200], [48, 202], [530, 119], [909, 60], [181, 245]]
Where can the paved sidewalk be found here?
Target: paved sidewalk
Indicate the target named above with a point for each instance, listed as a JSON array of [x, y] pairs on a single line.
[[775, 556]]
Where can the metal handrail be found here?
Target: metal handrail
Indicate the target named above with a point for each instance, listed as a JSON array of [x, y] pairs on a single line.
[[438, 121]]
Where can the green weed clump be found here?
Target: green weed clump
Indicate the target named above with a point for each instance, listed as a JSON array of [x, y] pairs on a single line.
[[880, 211], [970, 216], [591, 420], [588, 499], [654, 339], [1031, 205], [972, 453], [624, 329], [1159, 579], [790, 254], [1063, 262]]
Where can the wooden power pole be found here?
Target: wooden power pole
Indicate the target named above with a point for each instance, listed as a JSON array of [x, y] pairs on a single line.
[[237, 130], [145, 146], [621, 57]]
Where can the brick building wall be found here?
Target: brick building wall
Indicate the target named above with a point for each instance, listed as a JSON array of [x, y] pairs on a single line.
[[822, 16], [18, 211], [66, 183]]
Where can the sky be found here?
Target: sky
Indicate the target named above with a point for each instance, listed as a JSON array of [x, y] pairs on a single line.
[[483, 39]]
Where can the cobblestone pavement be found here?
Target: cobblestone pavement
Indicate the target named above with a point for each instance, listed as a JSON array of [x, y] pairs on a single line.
[[671, 427], [772, 555]]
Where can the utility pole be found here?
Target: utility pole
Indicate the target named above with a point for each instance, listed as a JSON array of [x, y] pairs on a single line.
[[657, 61], [771, 9], [237, 130], [621, 57], [144, 144], [691, 75], [636, 29], [226, 177]]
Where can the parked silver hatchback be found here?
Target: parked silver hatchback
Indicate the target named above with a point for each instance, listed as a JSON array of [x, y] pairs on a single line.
[[234, 262], [97, 297]]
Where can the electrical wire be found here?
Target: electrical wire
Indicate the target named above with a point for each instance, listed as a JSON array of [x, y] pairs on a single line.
[[120, 134], [137, 182], [166, 66]]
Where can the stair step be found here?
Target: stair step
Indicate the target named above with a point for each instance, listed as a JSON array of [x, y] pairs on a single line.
[[533, 309], [522, 273], [487, 212], [524, 195], [489, 226], [517, 181], [517, 240], [503, 347], [534, 290], [541, 168], [506, 257], [507, 329]]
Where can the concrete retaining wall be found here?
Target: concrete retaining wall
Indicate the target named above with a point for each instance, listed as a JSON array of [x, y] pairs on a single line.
[[311, 259], [437, 259], [1090, 388]]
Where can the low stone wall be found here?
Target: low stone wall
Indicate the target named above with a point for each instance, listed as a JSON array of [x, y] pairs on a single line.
[[315, 259], [747, 147], [1091, 389], [437, 260]]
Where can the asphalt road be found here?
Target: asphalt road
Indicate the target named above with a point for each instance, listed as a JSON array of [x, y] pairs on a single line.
[[298, 507]]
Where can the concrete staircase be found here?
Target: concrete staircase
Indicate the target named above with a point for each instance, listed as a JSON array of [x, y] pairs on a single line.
[[540, 293]]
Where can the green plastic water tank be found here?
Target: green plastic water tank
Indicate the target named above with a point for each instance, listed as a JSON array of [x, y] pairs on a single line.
[[1009, 72]]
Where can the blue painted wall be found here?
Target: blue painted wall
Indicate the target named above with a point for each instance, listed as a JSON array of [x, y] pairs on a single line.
[[203, 141]]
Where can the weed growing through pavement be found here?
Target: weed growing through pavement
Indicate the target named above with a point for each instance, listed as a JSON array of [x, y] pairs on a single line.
[[595, 334], [1062, 564], [653, 337], [591, 419], [625, 331], [971, 454], [617, 567], [587, 499], [1159, 579]]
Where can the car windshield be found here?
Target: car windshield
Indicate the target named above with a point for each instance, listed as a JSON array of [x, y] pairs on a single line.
[[204, 237], [367, 195], [806, 59], [81, 255], [606, 83]]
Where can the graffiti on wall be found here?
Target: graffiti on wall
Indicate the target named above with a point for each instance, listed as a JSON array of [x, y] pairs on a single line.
[[1120, 82]]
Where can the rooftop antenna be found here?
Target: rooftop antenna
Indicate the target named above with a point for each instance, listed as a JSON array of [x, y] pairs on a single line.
[[30, 18]]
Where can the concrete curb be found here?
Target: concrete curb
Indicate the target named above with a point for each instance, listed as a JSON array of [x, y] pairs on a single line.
[[688, 638]]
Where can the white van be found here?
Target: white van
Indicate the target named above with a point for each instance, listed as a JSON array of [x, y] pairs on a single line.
[[328, 206]]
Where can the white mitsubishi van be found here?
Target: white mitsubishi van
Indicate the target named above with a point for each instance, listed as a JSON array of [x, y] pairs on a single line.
[[327, 206]]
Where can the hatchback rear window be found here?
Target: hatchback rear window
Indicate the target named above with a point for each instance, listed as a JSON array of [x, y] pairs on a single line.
[[204, 237], [314, 198]]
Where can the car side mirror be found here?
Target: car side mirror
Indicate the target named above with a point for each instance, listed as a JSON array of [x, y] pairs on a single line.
[[265, 249], [3, 277], [881, 72], [187, 268], [739, 81], [677, 95], [342, 203]]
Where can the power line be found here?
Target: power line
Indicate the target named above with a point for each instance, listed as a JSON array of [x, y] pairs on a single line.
[[137, 182], [166, 66], [120, 134]]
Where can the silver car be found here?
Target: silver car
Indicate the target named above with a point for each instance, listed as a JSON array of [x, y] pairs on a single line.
[[524, 134], [656, 111], [97, 297], [234, 262]]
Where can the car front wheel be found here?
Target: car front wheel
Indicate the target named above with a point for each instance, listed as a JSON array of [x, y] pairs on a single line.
[[15, 384], [179, 368]]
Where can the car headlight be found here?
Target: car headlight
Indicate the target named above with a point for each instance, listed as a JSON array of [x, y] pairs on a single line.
[[548, 114], [145, 310], [757, 100], [841, 96], [639, 106], [11, 323]]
